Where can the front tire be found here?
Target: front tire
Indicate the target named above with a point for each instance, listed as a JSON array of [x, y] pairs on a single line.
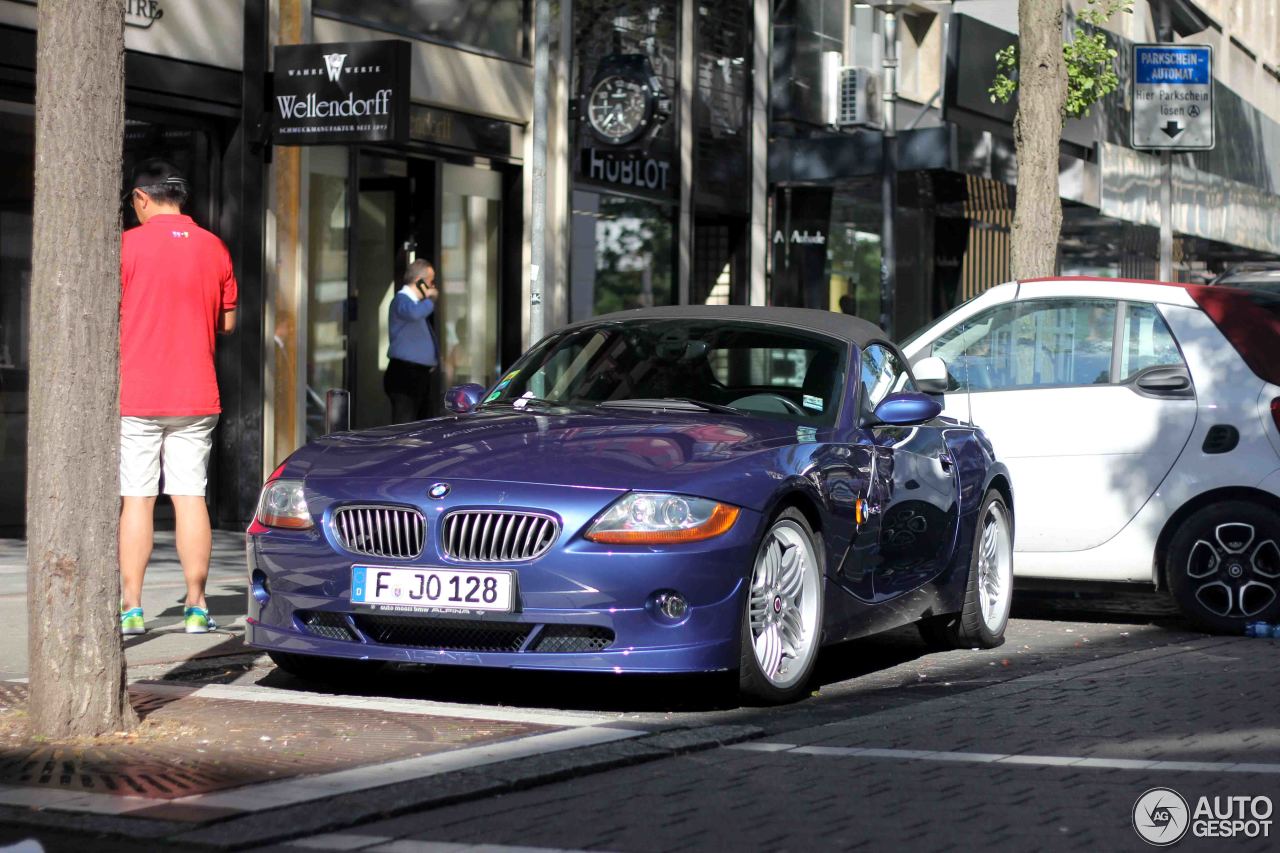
[[988, 595], [782, 615], [1223, 566]]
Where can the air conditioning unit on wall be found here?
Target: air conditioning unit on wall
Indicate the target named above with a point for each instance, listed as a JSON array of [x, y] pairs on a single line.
[[851, 93]]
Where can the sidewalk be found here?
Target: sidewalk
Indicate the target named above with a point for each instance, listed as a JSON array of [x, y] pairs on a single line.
[[165, 644]]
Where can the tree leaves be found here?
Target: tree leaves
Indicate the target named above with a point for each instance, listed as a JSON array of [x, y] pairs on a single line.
[[1089, 57]]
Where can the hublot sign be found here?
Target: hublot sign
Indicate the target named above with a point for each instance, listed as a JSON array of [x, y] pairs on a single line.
[[331, 94], [626, 169]]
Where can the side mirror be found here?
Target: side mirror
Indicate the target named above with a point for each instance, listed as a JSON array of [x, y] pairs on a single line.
[[461, 399], [931, 375], [907, 408]]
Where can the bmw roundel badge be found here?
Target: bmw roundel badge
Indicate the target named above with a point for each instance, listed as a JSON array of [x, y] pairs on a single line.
[[438, 491]]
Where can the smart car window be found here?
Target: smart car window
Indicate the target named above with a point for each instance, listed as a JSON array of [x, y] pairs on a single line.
[[758, 369], [1059, 342], [977, 350], [1146, 342]]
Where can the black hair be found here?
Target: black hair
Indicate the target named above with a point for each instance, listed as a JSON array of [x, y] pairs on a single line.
[[162, 181]]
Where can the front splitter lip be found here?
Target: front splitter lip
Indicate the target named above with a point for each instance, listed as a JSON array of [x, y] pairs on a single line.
[[705, 657]]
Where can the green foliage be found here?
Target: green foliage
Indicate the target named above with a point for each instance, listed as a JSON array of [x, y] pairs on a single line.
[[1090, 61]]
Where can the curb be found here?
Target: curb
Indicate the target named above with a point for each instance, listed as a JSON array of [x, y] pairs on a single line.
[[347, 810]]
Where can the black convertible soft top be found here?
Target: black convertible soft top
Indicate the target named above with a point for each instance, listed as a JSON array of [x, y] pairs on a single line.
[[843, 326]]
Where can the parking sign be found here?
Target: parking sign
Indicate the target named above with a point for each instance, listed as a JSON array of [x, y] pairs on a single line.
[[1172, 97]]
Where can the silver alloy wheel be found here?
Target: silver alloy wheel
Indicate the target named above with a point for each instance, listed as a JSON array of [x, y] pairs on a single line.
[[995, 568], [784, 604], [1235, 575]]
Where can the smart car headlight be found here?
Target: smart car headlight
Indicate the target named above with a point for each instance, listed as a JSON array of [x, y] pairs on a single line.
[[284, 505], [647, 518]]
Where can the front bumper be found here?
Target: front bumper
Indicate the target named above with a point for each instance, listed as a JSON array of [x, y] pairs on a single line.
[[594, 601]]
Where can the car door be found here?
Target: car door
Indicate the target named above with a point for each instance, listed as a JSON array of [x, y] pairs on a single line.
[[1076, 397], [913, 494]]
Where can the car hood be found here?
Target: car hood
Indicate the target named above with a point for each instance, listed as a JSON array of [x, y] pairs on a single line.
[[598, 450]]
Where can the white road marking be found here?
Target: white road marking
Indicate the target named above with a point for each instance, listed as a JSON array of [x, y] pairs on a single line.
[[339, 841], [420, 707], [407, 845], [997, 758]]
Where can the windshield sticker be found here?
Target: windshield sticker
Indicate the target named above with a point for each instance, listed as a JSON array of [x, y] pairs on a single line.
[[811, 402], [806, 434], [523, 400], [495, 395], [503, 384], [512, 375]]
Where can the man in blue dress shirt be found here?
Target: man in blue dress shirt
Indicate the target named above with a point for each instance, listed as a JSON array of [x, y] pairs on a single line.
[[413, 345]]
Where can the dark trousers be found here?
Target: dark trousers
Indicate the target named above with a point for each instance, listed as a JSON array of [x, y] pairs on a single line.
[[409, 387]]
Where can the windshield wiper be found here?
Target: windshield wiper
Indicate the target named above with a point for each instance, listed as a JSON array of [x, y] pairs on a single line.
[[687, 404]]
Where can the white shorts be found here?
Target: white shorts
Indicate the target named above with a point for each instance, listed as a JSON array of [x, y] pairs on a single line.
[[182, 444]]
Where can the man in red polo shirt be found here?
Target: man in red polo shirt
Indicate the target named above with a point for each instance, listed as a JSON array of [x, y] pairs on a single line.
[[178, 291]]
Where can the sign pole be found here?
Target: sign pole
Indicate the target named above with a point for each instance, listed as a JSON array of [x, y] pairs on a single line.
[[889, 171], [541, 81], [1166, 216]]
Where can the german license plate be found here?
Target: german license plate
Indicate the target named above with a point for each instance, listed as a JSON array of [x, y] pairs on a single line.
[[412, 589]]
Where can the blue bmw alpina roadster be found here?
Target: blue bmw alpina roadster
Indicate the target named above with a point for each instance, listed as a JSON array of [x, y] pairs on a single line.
[[668, 490]]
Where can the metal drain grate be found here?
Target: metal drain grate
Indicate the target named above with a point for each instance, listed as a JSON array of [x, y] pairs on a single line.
[[464, 635], [331, 626], [572, 638]]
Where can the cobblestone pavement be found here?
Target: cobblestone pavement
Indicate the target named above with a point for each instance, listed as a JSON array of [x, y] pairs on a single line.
[[1052, 760]]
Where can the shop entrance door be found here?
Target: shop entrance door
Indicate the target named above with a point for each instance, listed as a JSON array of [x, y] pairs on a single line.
[[451, 215], [385, 214]]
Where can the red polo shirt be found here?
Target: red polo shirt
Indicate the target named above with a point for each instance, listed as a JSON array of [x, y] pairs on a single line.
[[176, 279]]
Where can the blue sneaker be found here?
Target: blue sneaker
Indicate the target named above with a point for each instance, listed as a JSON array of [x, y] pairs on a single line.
[[131, 621], [198, 620]]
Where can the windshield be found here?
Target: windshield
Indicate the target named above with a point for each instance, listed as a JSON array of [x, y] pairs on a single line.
[[694, 365]]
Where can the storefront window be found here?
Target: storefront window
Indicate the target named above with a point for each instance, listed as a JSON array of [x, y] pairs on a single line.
[[854, 257], [326, 349], [186, 146], [623, 254], [17, 143], [467, 318], [496, 26]]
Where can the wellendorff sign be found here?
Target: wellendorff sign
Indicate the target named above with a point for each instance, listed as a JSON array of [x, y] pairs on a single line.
[[333, 94]]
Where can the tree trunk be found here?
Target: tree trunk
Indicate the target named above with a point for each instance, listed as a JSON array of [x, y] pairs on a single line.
[[1037, 131], [73, 477]]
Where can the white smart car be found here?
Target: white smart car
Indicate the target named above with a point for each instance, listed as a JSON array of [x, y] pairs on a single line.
[[1141, 425]]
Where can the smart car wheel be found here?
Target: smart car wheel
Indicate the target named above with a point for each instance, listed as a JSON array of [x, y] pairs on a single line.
[[782, 619], [989, 593], [323, 670], [1223, 566]]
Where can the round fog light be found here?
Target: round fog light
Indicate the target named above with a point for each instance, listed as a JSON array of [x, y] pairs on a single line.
[[669, 606]]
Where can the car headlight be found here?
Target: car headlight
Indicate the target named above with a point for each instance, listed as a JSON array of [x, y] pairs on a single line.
[[645, 518], [284, 505]]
